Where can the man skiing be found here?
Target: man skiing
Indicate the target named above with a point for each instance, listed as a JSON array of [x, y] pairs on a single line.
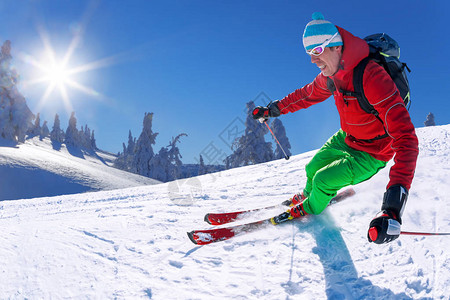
[[365, 142]]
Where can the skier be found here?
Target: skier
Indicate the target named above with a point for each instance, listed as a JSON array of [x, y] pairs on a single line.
[[365, 143]]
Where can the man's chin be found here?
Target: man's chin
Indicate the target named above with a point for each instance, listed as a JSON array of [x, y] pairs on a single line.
[[326, 72]]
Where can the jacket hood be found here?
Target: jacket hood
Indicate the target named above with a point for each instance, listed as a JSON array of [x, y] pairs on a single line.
[[355, 50]]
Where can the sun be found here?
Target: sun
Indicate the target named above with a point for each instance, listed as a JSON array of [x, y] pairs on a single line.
[[57, 75], [55, 72]]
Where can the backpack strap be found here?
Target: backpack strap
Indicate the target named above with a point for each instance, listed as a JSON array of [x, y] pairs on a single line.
[[358, 73], [330, 85]]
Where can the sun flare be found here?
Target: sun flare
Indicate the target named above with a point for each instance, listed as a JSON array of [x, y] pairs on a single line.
[[57, 75]]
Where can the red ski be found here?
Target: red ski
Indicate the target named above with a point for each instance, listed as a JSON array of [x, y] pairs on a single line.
[[208, 236], [224, 218]]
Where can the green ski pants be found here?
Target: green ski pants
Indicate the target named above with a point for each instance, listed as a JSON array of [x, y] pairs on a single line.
[[335, 166]]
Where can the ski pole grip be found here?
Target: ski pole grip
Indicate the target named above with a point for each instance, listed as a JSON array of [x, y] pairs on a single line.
[[373, 233]]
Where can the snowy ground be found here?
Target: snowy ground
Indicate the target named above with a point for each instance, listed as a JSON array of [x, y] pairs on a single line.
[[132, 243], [36, 169]]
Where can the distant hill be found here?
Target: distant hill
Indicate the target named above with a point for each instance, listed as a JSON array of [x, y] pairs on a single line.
[[36, 169]]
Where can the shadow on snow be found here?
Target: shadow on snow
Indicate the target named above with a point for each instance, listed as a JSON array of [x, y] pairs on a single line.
[[341, 278]]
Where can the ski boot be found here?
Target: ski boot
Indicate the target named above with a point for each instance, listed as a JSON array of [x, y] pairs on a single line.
[[298, 198], [295, 212]]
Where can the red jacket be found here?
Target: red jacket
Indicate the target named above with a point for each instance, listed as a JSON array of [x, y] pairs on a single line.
[[382, 93]]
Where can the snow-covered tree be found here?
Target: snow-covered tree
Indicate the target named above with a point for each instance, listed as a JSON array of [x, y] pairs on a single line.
[[430, 120], [15, 116], [86, 138], [57, 134], [72, 134], [93, 141], [36, 129], [119, 162], [158, 165], [143, 149], [202, 168], [131, 144], [138, 156], [174, 168], [125, 159], [251, 148], [166, 165], [44, 131], [84, 135], [280, 132]]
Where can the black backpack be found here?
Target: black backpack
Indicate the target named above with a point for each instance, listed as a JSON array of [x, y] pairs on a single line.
[[385, 51]]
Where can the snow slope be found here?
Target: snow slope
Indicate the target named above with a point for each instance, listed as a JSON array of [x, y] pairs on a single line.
[[132, 243], [37, 169]]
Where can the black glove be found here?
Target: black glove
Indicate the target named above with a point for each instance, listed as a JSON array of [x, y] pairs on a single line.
[[386, 226], [262, 113]]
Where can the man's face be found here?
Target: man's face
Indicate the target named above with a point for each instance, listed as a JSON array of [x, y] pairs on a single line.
[[328, 61]]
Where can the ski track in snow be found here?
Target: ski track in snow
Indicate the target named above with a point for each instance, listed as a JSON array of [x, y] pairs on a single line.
[[132, 243]]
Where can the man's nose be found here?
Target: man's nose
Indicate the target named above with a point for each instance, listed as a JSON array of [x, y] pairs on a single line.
[[314, 59]]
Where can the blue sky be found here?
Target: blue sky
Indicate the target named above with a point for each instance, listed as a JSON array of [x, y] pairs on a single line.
[[195, 64]]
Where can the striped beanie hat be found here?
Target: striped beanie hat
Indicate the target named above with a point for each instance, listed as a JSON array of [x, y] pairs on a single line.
[[318, 31]]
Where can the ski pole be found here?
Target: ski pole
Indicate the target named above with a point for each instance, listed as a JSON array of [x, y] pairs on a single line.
[[285, 155], [424, 233]]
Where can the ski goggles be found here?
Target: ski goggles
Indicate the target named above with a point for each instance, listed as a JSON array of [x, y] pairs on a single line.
[[316, 51]]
